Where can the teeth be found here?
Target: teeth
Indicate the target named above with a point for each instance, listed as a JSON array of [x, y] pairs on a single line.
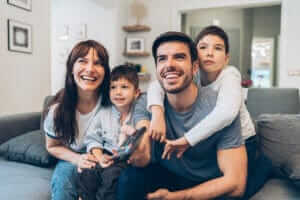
[[88, 78], [171, 75]]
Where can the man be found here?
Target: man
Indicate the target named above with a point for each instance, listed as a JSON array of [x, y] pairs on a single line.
[[216, 167]]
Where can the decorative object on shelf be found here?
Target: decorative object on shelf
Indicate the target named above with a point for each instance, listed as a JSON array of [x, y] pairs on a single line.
[[142, 73], [138, 10], [144, 76], [136, 28], [135, 45], [246, 83], [24, 4], [19, 37]]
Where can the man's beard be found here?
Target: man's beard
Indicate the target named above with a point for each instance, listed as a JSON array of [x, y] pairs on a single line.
[[186, 83]]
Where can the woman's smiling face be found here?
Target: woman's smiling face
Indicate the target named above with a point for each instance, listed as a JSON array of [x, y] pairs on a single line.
[[88, 72]]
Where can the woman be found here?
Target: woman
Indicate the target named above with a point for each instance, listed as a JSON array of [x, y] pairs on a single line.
[[71, 113]]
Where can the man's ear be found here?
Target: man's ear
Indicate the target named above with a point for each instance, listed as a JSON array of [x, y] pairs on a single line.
[[195, 67]]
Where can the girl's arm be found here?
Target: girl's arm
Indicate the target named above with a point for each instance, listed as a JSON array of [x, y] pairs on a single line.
[[227, 107], [155, 99]]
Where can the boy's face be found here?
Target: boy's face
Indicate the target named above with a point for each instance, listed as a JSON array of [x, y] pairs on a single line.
[[122, 93]]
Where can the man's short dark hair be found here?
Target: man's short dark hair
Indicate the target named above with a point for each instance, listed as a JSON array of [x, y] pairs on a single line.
[[173, 36], [214, 30], [127, 72]]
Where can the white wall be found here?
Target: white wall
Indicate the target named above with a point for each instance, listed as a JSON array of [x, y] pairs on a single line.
[[289, 30], [24, 78], [103, 19]]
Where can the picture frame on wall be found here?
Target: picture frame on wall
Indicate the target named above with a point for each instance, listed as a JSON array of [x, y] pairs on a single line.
[[24, 4], [19, 37], [135, 45]]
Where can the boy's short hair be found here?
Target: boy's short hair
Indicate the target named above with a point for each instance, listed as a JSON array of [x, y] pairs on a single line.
[[127, 72], [217, 31], [173, 36]]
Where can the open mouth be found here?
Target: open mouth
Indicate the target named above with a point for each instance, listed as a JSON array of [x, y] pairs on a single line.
[[88, 78]]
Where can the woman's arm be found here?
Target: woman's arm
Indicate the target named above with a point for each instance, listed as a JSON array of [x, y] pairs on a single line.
[[60, 151], [227, 107]]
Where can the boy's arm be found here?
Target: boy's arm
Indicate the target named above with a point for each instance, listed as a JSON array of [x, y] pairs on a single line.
[[227, 107], [155, 99]]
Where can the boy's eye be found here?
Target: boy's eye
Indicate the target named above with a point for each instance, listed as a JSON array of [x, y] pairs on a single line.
[[112, 87], [202, 47], [125, 86]]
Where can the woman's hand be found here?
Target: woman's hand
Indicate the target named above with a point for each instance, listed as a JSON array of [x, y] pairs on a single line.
[[86, 161], [158, 124]]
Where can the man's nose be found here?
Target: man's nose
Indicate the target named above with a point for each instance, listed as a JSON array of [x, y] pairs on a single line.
[[170, 62]]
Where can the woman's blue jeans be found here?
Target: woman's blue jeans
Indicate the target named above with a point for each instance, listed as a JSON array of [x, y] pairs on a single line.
[[63, 182]]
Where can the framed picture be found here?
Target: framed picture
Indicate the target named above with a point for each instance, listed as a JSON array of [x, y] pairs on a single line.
[[135, 45], [19, 37], [24, 4]]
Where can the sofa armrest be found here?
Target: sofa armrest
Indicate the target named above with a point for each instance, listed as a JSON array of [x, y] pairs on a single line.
[[18, 124]]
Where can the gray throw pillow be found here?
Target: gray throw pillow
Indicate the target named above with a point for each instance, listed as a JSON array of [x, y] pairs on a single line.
[[279, 136], [28, 148], [292, 169]]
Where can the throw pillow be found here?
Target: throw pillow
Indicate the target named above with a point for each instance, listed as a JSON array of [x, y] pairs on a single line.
[[28, 148], [292, 169], [279, 136]]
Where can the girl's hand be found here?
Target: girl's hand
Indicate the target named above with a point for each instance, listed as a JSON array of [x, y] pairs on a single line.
[[86, 161], [158, 124]]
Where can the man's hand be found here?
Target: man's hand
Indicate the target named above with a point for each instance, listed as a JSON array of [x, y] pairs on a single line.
[[160, 194], [157, 124], [179, 145]]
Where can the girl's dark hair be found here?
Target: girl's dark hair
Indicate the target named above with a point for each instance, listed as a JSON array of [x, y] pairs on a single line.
[[214, 30], [65, 125]]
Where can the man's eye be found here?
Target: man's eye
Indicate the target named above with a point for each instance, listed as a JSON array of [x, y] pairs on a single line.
[[159, 59]]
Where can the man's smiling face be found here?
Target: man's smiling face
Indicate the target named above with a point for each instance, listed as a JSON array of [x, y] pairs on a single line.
[[174, 66]]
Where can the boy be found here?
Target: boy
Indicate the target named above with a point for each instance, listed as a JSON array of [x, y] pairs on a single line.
[[107, 134]]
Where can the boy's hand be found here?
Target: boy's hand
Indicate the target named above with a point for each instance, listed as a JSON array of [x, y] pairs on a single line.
[[179, 145], [106, 161], [157, 124]]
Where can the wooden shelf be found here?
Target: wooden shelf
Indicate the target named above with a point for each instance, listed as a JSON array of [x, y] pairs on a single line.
[[144, 76], [143, 54], [136, 28]]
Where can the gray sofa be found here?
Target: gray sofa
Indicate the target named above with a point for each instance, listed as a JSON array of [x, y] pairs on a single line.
[[29, 182]]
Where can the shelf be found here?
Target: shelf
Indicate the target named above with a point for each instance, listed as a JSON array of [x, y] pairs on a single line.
[[136, 28], [144, 76], [142, 54]]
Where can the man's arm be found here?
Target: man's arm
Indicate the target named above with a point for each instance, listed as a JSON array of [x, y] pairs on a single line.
[[232, 163]]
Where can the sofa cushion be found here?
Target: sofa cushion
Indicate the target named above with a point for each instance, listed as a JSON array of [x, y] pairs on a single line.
[[28, 148], [277, 189], [292, 169], [24, 181], [279, 136]]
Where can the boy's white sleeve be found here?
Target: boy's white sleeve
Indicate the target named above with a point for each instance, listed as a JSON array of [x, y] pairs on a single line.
[[155, 95], [227, 107]]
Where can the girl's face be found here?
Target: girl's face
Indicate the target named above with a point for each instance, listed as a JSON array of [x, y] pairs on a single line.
[[88, 72], [212, 55]]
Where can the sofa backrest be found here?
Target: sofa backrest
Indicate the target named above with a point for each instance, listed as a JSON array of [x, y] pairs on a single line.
[[272, 100]]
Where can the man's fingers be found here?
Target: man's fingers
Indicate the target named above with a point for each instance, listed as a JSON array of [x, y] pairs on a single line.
[[179, 154], [153, 195]]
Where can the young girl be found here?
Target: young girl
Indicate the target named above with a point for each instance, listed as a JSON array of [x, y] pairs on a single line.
[[213, 52], [72, 112]]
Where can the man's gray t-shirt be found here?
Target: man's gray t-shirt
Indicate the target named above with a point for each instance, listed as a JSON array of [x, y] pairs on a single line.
[[198, 163]]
